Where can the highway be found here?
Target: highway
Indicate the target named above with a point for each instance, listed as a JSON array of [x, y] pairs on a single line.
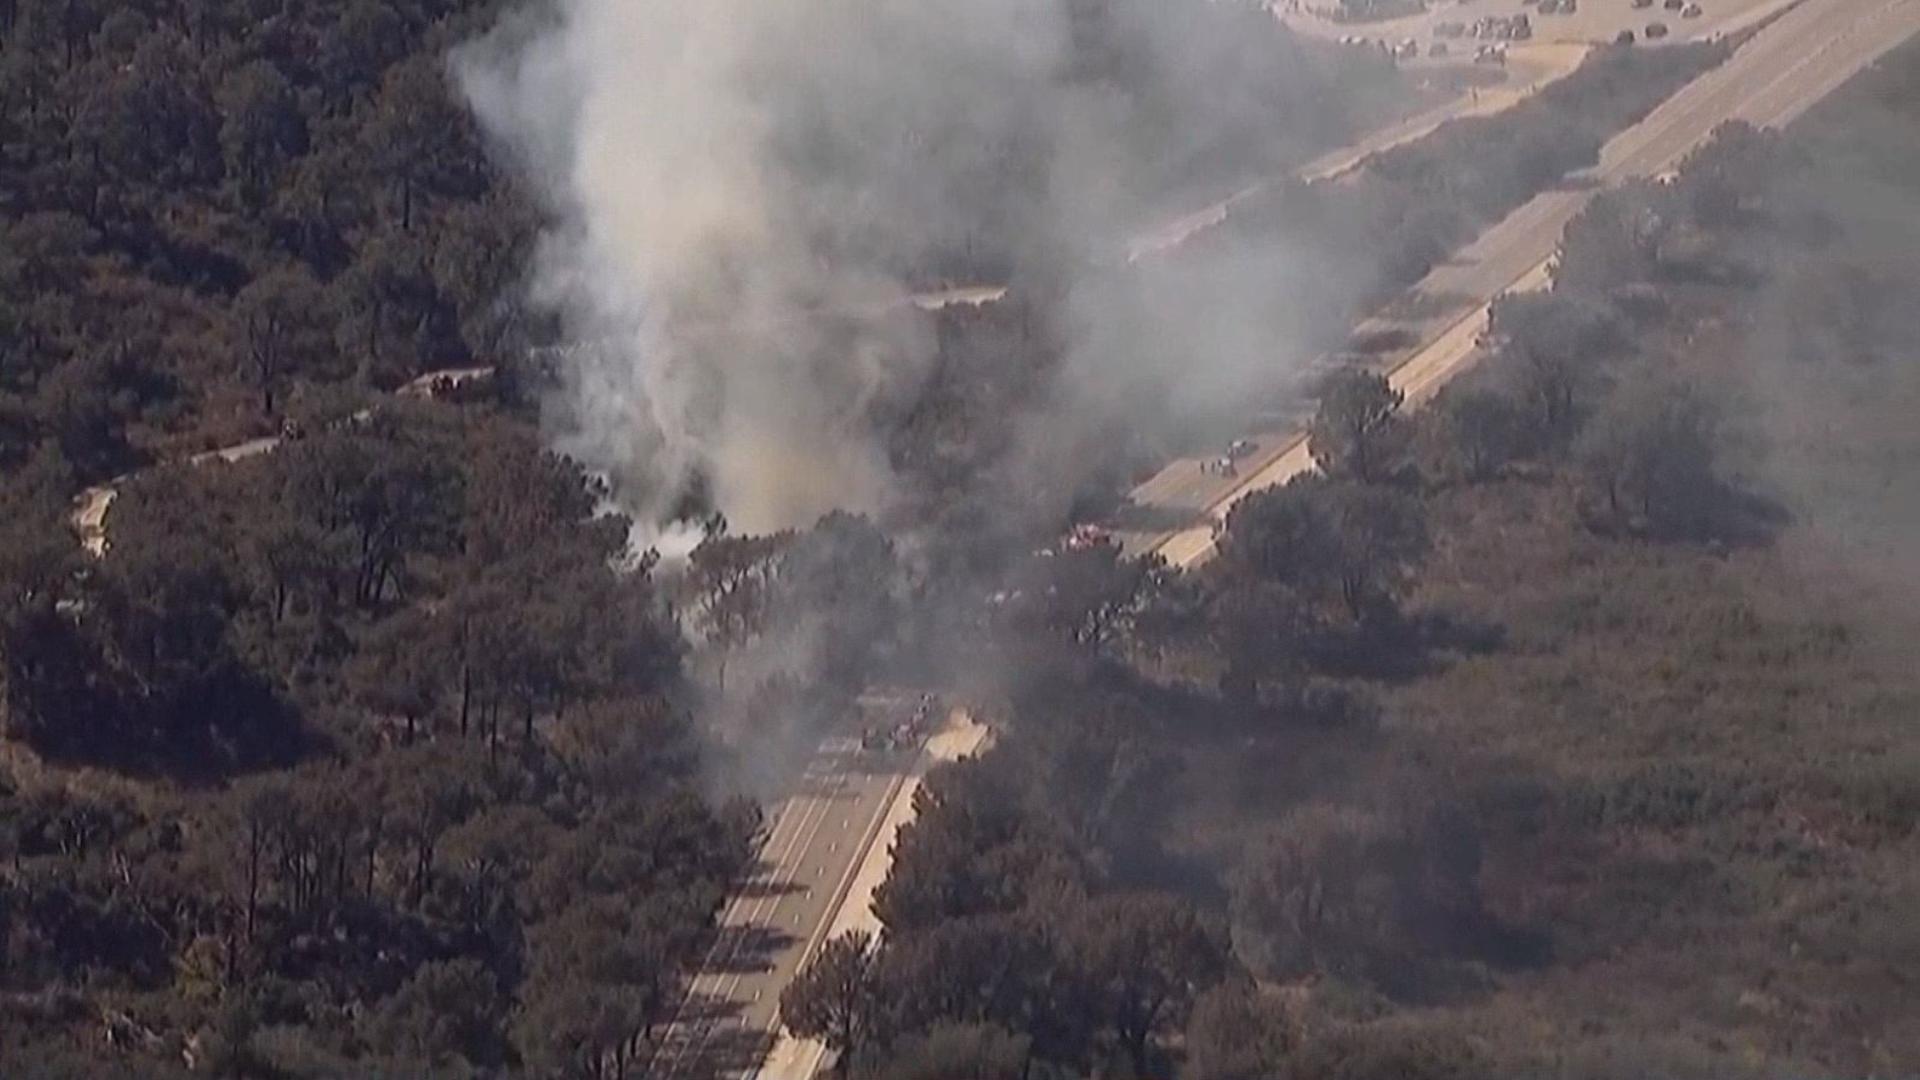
[[835, 829], [821, 861], [1544, 64], [1774, 77], [782, 913]]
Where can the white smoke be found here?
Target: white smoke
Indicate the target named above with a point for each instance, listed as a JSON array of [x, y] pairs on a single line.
[[747, 189]]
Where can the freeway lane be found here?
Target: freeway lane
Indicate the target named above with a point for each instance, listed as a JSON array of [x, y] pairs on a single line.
[[807, 860], [802, 1059], [1776, 75]]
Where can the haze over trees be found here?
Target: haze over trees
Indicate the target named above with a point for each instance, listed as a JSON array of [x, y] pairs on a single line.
[[1533, 738], [1611, 684]]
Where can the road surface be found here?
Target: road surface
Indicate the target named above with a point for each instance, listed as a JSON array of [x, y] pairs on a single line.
[[1540, 64], [801, 1059], [1593, 22], [1786, 67], [825, 855], [89, 517]]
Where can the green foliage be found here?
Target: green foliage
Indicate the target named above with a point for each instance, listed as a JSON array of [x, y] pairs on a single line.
[[1356, 432], [207, 191], [1650, 454], [957, 1052], [832, 999], [1352, 545]]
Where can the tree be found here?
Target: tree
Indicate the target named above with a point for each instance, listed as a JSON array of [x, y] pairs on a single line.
[[729, 589], [419, 139], [1357, 432], [280, 319], [836, 597], [400, 672], [449, 1010], [1557, 346], [1650, 453], [832, 998], [1262, 631], [1282, 534], [950, 1051], [1359, 890], [1379, 535], [387, 489], [1142, 959], [1238, 1033], [262, 128], [1479, 431]]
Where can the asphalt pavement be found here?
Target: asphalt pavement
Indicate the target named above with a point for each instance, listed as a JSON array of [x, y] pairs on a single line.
[[780, 915], [1776, 75]]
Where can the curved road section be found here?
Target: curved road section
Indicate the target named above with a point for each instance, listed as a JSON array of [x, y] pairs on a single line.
[[1781, 71]]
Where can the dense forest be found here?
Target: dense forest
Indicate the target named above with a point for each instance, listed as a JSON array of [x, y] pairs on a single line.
[[377, 749]]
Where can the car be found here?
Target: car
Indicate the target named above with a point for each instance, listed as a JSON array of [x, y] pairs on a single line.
[[1240, 448], [1450, 29], [1490, 54], [1656, 30], [1624, 37], [1674, 5], [1691, 11], [1086, 537], [1549, 7], [1638, 4]]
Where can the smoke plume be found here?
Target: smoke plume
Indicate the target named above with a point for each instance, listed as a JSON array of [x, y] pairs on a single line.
[[745, 192]]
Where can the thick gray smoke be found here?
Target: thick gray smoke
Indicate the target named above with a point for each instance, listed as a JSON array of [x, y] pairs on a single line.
[[748, 189]]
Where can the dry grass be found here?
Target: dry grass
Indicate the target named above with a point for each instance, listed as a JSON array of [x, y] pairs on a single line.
[[1702, 776]]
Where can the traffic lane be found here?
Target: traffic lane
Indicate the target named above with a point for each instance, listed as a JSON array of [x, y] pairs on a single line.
[[1870, 41], [709, 1013], [747, 940], [1512, 246], [1509, 249], [1756, 86], [1783, 65], [819, 871], [779, 917]]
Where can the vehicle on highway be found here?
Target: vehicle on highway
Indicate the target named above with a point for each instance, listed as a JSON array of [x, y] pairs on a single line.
[[1624, 37], [1638, 4], [1656, 30], [1549, 7], [1490, 54], [1087, 536], [1240, 448], [1692, 11], [1220, 466], [1674, 5], [1451, 28], [1500, 28]]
